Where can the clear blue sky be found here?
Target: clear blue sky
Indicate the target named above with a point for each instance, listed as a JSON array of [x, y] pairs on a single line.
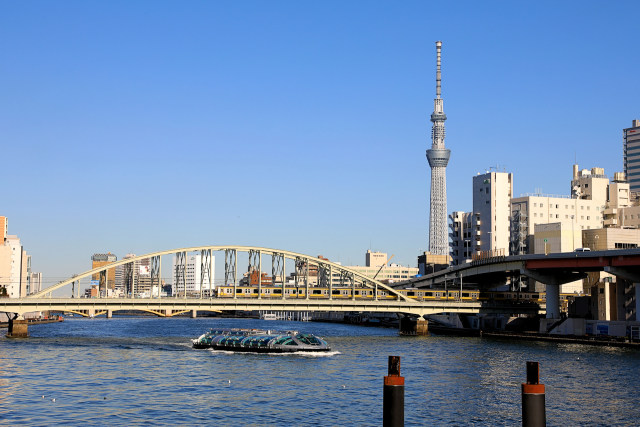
[[151, 125]]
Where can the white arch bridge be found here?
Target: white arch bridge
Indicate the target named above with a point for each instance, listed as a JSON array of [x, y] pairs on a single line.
[[314, 284]]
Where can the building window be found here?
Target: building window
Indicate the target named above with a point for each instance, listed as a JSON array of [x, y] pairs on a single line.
[[541, 204], [535, 205]]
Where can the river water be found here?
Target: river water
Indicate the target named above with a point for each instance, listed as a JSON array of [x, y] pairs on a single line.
[[143, 371]]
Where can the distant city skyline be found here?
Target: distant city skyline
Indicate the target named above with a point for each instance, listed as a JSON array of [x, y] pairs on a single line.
[[133, 128]]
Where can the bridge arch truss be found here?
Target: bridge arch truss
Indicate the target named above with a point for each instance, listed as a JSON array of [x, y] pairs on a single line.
[[305, 267]]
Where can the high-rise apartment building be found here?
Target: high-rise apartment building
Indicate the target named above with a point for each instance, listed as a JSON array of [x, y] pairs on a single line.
[[463, 236], [13, 267], [631, 155], [486, 230], [438, 157], [492, 193]]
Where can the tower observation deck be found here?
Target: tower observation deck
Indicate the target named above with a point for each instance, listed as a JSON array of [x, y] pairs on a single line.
[[438, 157]]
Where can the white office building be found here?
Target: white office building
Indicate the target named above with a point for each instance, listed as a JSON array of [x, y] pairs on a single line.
[[191, 281]]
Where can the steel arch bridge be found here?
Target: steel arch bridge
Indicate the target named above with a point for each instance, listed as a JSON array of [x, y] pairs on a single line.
[[325, 270], [309, 273]]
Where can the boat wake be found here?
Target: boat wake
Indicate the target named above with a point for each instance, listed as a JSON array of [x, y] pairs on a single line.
[[292, 353]]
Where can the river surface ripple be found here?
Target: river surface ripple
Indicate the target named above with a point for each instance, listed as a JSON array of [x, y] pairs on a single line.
[[143, 371]]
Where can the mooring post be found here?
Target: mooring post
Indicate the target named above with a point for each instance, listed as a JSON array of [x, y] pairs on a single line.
[[393, 395], [533, 406]]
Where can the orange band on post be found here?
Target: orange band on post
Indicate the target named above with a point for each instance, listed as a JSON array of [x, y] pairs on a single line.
[[393, 380], [533, 388]]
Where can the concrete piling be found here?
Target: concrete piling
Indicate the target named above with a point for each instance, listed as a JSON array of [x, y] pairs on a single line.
[[393, 395], [17, 328], [533, 400]]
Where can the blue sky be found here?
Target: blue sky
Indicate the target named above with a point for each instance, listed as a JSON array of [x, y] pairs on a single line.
[[144, 126]]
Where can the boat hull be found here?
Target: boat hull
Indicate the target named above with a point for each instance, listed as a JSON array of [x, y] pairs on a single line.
[[266, 349]]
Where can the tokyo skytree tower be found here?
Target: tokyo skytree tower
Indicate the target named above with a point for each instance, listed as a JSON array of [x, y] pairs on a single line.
[[438, 157]]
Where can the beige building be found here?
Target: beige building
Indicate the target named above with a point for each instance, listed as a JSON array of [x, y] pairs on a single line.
[[377, 261], [558, 237], [375, 267], [584, 210], [612, 298], [611, 238], [3, 228], [100, 260]]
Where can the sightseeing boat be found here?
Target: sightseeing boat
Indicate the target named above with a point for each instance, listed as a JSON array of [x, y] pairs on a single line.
[[260, 341]]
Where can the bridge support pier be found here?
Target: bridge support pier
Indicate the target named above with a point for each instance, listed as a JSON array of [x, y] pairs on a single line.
[[17, 328], [553, 301], [194, 314], [167, 313], [413, 326], [109, 314]]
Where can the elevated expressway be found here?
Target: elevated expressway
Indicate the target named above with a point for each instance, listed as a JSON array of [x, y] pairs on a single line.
[[308, 272], [553, 270]]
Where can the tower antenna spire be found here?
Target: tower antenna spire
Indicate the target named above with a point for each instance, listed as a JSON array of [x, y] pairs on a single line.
[[438, 76]]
